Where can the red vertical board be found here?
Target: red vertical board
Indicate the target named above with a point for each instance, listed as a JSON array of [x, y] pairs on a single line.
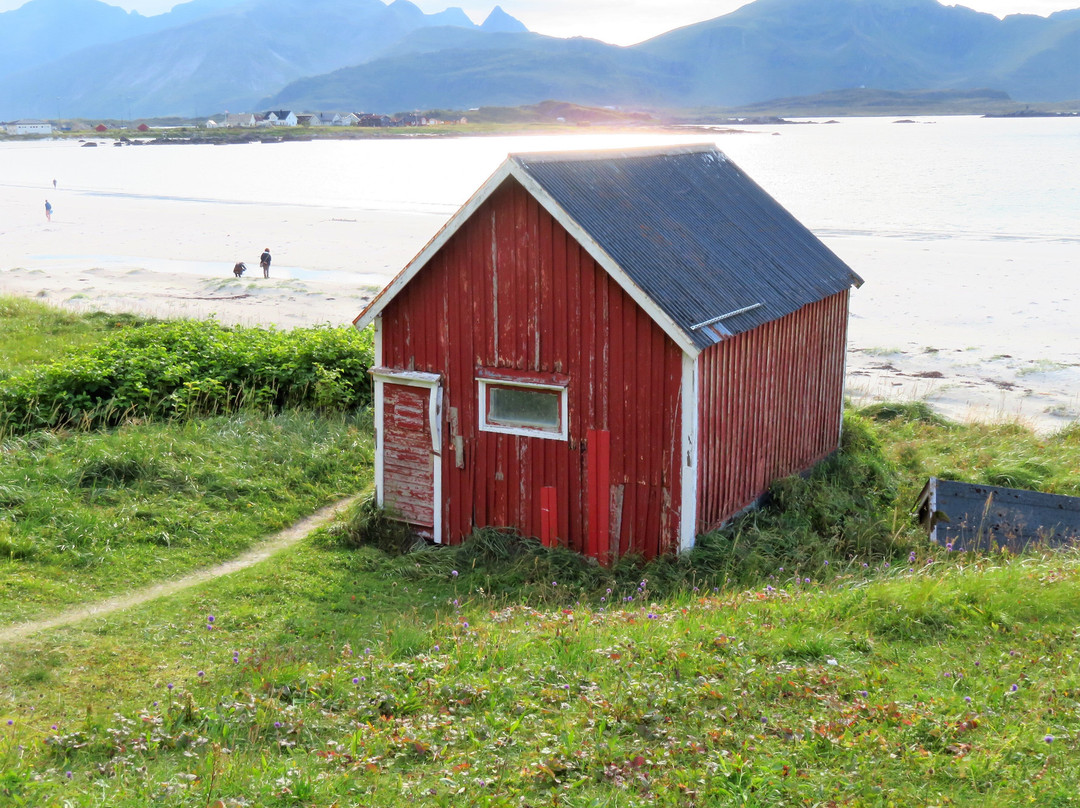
[[599, 482], [549, 517]]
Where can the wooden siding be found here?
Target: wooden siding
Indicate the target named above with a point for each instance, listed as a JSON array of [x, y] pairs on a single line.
[[511, 290], [770, 406]]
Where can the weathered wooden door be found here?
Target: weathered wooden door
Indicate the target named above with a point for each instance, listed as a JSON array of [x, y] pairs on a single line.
[[408, 461]]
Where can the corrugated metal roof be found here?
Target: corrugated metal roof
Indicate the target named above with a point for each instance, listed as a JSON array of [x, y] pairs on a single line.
[[970, 516], [700, 238]]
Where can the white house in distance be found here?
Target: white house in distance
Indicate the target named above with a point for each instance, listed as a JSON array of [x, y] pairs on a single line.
[[280, 117], [29, 126]]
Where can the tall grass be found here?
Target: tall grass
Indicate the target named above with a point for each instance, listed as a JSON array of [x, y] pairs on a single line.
[[187, 368]]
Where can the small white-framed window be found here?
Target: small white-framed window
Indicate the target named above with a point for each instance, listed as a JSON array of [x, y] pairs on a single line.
[[524, 408]]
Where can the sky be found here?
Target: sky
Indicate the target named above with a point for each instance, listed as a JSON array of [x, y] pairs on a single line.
[[621, 22]]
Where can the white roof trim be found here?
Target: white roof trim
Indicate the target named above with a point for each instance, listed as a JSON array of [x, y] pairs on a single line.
[[511, 168]]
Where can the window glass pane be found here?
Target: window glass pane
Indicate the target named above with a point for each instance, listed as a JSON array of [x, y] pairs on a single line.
[[524, 407]]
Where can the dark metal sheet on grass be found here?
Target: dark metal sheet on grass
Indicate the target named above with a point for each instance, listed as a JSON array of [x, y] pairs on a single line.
[[969, 516]]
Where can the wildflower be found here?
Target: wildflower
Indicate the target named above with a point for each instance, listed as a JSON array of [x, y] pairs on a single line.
[[911, 557], [436, 649], [1049, 739], [886, 565], [465, 624], [1014, 688], [826, 563], [967, 699], [454, 573], [806, 580], [554, 583], [53, 727], [69, 774], [210, 618], [169, 686], [277, 725], [200, 674], [603, 600], [355, 680]]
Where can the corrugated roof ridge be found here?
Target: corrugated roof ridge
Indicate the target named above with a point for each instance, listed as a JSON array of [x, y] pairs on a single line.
[[524, 158]]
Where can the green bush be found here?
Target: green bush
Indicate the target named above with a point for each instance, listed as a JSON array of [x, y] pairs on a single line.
[[184, 368]]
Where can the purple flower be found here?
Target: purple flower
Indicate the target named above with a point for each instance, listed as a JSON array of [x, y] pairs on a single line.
[[826, 563], [465, 624], [53, 727], [169, 686], [1049, 739], [967, 699], [554, 583], [436, 649], [210, 619], [277, 725], [1014, 688], [10, 722], [454, 573], [355, 680], [69, 774], [863, 693], [806, 580], [200, 674]]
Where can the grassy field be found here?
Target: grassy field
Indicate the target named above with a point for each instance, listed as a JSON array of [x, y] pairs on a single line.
[[817, 652]]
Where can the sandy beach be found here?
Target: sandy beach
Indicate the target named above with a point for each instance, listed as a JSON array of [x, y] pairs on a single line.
[[926, 325]]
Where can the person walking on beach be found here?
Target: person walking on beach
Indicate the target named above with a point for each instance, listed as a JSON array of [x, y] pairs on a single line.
[[48, 210], [264, 262], [54, 184]]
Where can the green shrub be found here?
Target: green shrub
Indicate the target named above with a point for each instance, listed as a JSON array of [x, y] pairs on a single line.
[[185, 368]]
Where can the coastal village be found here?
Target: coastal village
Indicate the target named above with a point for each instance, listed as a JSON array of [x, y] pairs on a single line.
[[254, 120], [286, 117]]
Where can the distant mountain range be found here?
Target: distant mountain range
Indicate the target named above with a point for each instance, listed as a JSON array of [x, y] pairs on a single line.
[[83, 58]]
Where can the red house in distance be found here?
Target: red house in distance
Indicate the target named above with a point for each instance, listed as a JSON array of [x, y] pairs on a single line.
[[611, 351]]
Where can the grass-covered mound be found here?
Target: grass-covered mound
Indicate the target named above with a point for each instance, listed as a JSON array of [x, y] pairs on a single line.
[[323, 678]]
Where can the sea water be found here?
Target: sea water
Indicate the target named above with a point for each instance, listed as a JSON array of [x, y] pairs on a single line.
[[927, 178]]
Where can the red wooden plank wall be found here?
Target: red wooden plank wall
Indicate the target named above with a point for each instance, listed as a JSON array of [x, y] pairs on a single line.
[[511, 289], [770, 405]]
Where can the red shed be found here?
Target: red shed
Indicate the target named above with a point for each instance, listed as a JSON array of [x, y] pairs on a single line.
[[613, 351]]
